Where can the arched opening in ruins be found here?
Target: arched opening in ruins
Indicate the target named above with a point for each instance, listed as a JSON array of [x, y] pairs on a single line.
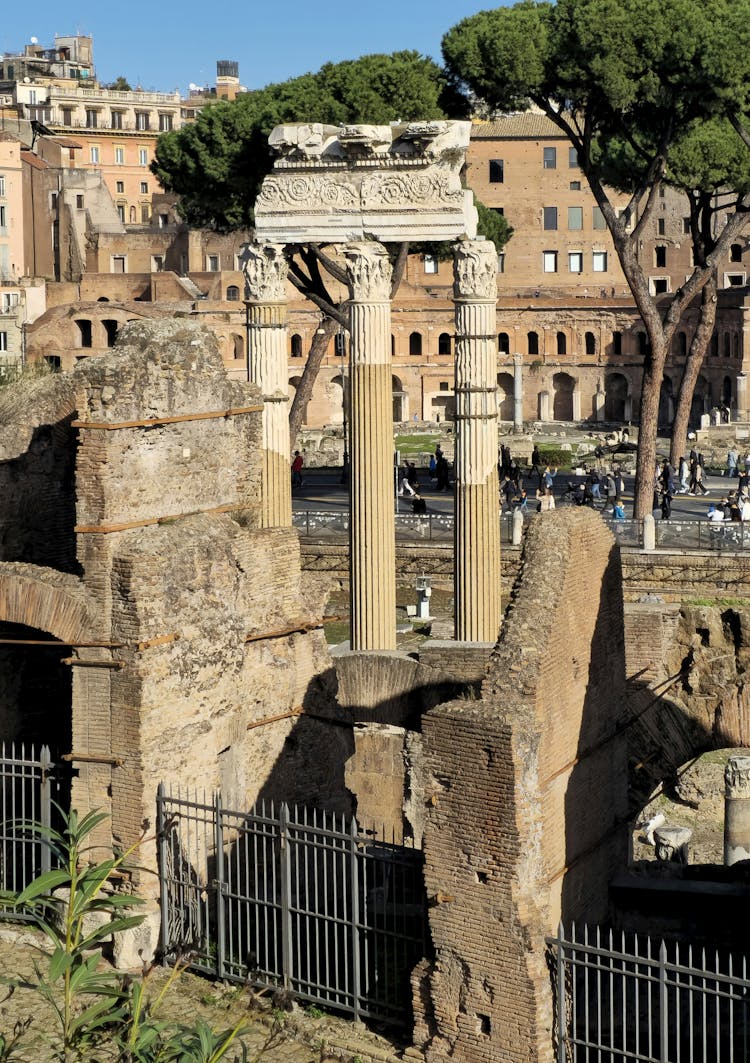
[[701, 400], [562, 403], [35, 689], [503, 343], [400, 408], [726, 391], [505, 400], [335, 398], [615, 397]]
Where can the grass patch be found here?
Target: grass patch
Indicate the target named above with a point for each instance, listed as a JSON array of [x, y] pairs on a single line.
[[423, 443], [723, 603]]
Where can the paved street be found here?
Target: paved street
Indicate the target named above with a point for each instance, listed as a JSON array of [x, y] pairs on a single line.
[[322, 490]]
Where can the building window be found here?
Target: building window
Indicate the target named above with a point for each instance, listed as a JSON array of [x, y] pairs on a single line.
[[142, 121], [497, 171], [120, 187], [444, 343], [549, 158], [532, 342], [575, 261], [575, 217], [686, 226], [94, 153], [503, 343], [118, 263], [599, 261], [115, 119], [562, 343], [659, 285], [92, 118], [597, 218], [111, 327], [157, 263], [121, 212], [79, 202], [589, 340], [549, 260], [212, 260], [145, 213], [661, 226], [143, 156], [2, 184], [165, 123], [501, 262], [3, 219], [119, 156], [3, 341], [296, 345], [660, 257], [67, 115], [415, 344], [575, 186], [430, 264], [617, 344], [735, 253], [550, 217], [233, 293], [734, 280], [144, 188], [84, 331], [681, 344], [572, 158], [727, 345], [444, 386]]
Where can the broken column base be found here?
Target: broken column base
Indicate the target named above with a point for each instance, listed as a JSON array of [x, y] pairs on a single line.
[[138, 945]]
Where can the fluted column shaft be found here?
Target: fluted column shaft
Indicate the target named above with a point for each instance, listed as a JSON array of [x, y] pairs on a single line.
[[517, 393], [372, 555], [265, 270], [477, 527]]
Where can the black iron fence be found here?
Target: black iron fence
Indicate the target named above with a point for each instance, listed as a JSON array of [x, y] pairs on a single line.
[[622, 997], [429, 527], [27, 789], [292, 897]]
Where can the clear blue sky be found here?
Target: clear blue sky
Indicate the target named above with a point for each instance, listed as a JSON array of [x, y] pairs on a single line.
[[165, 45]]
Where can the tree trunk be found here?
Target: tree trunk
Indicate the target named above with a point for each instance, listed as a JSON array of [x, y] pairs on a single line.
[[320, 343], [653, 374], [693, 364]]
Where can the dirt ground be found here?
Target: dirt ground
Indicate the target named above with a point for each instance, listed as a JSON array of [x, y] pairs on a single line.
[[274, 1035]]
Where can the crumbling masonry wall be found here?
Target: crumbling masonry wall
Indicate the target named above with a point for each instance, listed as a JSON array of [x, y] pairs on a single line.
[[525, 793]]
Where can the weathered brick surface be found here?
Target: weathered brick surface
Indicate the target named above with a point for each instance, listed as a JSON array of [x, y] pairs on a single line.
[[524, 789]]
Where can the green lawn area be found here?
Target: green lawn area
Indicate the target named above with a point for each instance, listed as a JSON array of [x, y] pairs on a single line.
[[423, 443]]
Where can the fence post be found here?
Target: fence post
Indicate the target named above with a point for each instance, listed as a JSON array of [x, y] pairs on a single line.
[[354, 858], [663, 1005], [285, 873], [162, 849], [45, 807], [561, 1052], [220, 902]]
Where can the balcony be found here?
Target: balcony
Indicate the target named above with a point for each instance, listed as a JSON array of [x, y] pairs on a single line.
[[135, 98]]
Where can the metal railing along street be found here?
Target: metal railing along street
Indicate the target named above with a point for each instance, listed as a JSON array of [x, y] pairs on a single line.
[[292, 897], [427, 527], [623, 996]]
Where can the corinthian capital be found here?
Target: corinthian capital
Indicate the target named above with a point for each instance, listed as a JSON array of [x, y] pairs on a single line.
[[369, 271], [265, 270], [475, 270], [737, 777]]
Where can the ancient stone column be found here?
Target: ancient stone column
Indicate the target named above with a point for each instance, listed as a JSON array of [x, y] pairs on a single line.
[[477, 527], [265, 270], [372, 555], [743, 411], [737, 810], [517, 393]]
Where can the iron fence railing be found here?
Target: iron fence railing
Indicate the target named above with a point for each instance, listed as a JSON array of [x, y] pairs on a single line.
[[292, 897], [622, 997], [26, 795], [427, 527]]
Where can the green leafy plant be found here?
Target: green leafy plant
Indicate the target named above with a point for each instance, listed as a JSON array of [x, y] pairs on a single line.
[[100, 1010]]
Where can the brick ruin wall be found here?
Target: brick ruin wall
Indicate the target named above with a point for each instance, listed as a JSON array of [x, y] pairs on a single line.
[[144, 466], [525, 792]]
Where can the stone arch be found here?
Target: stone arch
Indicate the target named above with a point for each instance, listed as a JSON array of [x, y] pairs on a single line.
[[616, 394], [445, 341], [415, 344], [505, 396], [238, 343], [532, 342], [726, 391], [503, 343], [296, 345], [46, 599], [400, 404], [334, 391], [701, 399], [563, 386], [562, 343], [589, 340]]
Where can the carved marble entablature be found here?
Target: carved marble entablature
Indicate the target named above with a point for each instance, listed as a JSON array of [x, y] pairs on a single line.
[[265, 270], [369, 271], [475, 270], [387, 183]]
